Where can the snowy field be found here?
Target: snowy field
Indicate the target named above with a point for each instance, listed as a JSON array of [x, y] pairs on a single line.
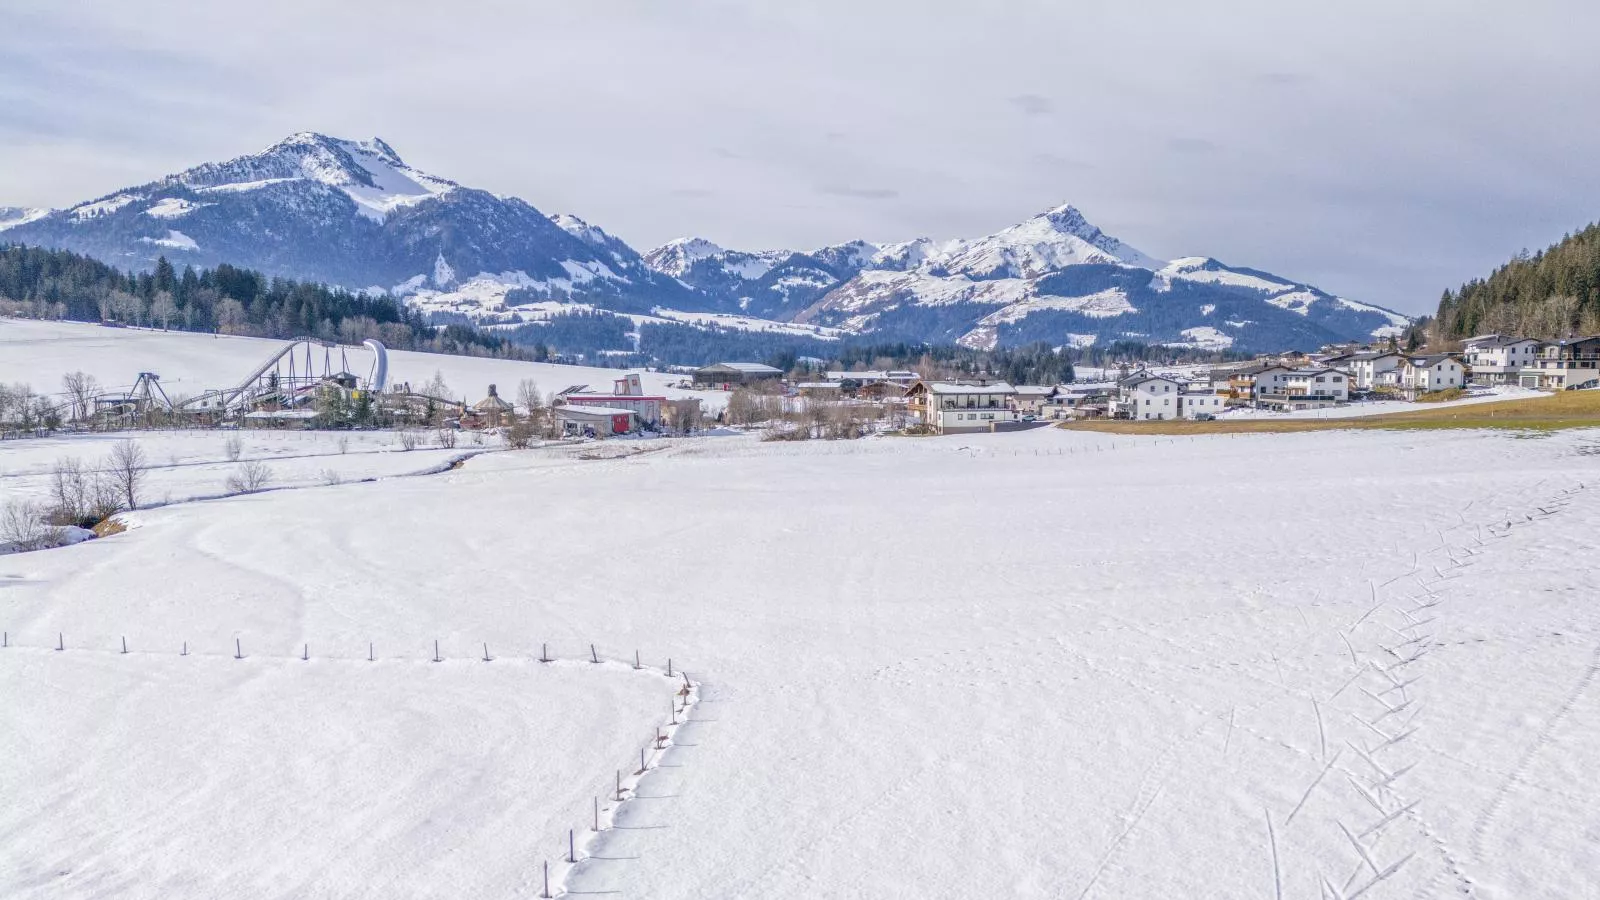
[[191, 465], [1045, 665], [39, 353]]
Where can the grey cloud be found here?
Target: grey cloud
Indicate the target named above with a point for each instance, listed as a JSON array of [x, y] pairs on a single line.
[[1190, 145], [1282, 79], [858, 193], [1033, 104]]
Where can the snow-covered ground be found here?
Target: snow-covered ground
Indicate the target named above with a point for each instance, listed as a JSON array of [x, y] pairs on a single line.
[[1048, 664], [39, 353], [187, 465]]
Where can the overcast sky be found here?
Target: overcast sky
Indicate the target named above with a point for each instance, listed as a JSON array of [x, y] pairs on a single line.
[[1382, 150]]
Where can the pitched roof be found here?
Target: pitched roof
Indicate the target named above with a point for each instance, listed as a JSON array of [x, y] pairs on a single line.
[[1422, 362], [946, 387], [747, 368]]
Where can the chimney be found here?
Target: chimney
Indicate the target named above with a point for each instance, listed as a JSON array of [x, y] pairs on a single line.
[[492, 392]]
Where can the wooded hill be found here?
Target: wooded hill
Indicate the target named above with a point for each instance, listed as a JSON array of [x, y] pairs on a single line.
[[1550, 294]]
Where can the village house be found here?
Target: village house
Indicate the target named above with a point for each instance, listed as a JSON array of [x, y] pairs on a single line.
[[1369, 371], [1143, 396], [1238, 383], [952, 408], [1080, 400], [1567, 364], [820, 390], [1427, 374], [1200, 401], [879, 391], [1031, 399], [627, 393], [1309, 388], [726, 376], [1495, 359], [899, 376]]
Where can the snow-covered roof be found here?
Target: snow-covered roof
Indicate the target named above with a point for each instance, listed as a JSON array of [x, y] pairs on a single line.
[[818, 385], [583, 409], [1034, 390], [747, 368], [1139, 378], [945, 387]]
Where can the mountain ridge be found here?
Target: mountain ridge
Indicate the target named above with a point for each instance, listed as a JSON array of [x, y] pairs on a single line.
[[356, 215]]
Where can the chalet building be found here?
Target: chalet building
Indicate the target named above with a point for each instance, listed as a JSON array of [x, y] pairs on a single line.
[[952, 408], [1495, 359], [627, 393], [726, 376], [1426, 374], [879, 391], [1240, 384], [1567, 364]]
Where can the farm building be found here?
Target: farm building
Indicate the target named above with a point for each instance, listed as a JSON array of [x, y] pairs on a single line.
[[728, 375]]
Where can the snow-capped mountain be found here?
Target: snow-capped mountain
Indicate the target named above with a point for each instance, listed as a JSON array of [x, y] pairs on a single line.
[[352, 214], [1055, 277], [356, 215]]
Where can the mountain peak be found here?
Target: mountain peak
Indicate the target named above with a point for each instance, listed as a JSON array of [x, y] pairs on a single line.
[[677, 256], [370, 172]]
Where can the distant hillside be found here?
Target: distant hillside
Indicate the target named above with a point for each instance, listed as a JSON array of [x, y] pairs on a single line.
[[58, 284], [1553, 293]]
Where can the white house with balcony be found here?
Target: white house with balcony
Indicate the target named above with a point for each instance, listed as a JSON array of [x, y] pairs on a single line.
[[1426, 374], [1567, 364], [1147, 397], [955, 408], [1373, 369], [1495, 359], [1311, 388]]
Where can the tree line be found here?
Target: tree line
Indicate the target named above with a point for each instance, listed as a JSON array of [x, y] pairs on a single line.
[[57, 284]]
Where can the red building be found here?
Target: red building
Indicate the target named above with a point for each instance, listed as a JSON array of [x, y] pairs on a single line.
[[627, 393]]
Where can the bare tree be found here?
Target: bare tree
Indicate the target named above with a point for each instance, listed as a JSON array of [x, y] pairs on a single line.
[[70, 492], [164, 309], [23, 527], [409, 438], [251, 475], [445, 436], [80, 387], [528, 395], [233, 447], [127, 470]]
